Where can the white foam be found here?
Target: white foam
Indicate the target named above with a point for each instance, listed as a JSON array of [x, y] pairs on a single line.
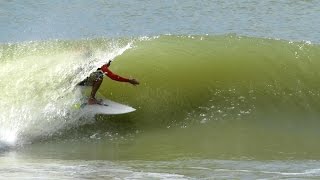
[[38, 91]]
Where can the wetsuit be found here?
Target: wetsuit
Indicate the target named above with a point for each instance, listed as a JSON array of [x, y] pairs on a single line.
[[98, 75], [105, 70]]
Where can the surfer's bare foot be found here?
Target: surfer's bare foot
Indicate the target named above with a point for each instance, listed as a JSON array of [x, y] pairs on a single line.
[[93, 101]]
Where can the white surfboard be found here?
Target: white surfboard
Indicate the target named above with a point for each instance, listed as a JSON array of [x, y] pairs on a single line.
[[106, 107]]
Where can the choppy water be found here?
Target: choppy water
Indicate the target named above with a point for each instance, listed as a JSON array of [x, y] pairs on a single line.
[[29, 21], [232, 92]]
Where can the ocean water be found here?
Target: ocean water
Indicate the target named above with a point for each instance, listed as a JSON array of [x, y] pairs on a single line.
[[229, 90]]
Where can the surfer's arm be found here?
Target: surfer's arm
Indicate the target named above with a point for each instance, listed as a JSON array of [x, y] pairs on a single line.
[[113, 76], [116, 77]]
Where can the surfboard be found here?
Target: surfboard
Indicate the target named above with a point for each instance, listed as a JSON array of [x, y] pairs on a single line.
[[107, 107]]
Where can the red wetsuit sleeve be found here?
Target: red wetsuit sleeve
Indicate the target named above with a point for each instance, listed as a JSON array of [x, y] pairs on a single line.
[[113, 76]]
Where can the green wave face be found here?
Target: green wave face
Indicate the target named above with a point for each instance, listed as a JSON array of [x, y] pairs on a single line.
[[219, 97], [235, 91], [201, 79]]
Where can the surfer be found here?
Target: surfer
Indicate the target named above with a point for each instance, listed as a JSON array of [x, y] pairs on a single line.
[[95, 79]]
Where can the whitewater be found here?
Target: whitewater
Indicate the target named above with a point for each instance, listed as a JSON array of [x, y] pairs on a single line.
[[39, 82]]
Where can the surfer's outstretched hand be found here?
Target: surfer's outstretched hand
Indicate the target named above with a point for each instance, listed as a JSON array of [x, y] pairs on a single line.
[[134, 82]]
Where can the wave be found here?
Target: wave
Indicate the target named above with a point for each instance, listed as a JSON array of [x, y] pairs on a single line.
[[185, 80]]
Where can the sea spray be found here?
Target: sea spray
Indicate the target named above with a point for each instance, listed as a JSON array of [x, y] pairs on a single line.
[[38, 85]]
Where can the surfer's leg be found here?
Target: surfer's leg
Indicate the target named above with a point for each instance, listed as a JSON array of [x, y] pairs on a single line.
[[97, 78], [95, 87]]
